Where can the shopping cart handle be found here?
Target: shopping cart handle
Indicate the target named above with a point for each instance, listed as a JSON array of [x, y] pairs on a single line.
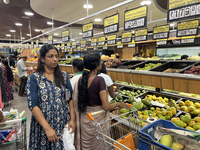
[[129, 105], [89, 115]]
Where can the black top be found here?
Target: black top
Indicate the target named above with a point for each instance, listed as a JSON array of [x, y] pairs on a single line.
[[12, 62]]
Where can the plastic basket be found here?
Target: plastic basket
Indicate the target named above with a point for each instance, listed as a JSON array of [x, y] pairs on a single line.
[[146, 135]]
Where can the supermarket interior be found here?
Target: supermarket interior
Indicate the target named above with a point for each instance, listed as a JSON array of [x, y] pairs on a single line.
[[119, 74]]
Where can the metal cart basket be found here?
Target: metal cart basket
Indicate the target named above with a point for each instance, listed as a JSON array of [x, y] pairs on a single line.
[[18, 127], [118, 133]]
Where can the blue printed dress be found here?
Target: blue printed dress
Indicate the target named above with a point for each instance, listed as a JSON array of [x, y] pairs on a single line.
[[50, 99]]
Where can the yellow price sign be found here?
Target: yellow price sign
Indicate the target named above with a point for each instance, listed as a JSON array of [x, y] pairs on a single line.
[[119, 43], [132, 42], [112, 37], [141, 32], [127, 35], [50, 37], [188, 25], [83, 42], [114, 19], [68, 44], [88, 27], [37, 42], [180, 3], [188, 37], [135, 13], [94, 40], [70, 52], [102, 39], [63, 45], [73, 43], [65, 33], [161, 29]]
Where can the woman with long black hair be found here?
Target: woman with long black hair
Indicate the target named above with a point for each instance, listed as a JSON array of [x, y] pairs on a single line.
[[47, 94], [89, 96], [8, 80]]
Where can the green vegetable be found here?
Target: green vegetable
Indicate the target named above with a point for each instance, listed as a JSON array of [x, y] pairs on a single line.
[[138, 106], [146, 102], [131, 100]]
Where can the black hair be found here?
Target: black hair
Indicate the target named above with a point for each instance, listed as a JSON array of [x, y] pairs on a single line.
[[2, 57], [117, 56], [78, 63], [103, 69], [137, 54], [58, 76], [184, 57], [9, 71], [91, 62], [68, 56]]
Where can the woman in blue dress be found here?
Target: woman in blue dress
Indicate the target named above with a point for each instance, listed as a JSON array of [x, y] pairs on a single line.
[[46, 95]]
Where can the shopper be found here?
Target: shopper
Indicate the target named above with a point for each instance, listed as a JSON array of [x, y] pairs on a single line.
[[0, 62], [12, 61], [109, 83], [8, 80], [78, 69], [90, 96], [22, 73], [46, 93], [184, 57]]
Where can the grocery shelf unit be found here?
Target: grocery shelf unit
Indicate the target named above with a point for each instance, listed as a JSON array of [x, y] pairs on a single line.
[[171, 81]]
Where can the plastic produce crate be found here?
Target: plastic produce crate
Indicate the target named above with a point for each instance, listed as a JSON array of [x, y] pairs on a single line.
[[146, 135], [189, 67], [141, 65], [175, 66]]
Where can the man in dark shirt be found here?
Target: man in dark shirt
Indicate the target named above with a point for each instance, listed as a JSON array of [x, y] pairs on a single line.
[[12, 61]]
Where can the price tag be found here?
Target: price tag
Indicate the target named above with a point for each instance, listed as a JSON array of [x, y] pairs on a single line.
[[111, 40], [131, 44], [83, 43], [93, 42], [126, 37], [120, 45], [65, 36], [187, 39], [87, 30], [74, 45], [161, 42], [111, 24], [161, 32], [101, 41], [141, 35], [50, 39]]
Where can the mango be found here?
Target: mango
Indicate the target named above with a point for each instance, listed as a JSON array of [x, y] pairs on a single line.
[[173, 112], [186, 119], [123, 110], [174, 120], [188, 115], [145, 112], [187, 103], [169, 113], [164, 113], [181, 103], [197, 104], [184, 124], [167, 117], [138, 106], [189, 128], [166, 140], [179, 123], [177, 146], [152, 108], [191, 108], [192, 123], [196, 127], [196, 111]]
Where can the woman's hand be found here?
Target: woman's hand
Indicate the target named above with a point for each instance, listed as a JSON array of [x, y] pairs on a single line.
[[72, 124], [51, 135], [123, 105]]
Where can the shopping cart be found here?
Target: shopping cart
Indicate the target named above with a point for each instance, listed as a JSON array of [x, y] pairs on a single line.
[[118, 133], [18, 127]]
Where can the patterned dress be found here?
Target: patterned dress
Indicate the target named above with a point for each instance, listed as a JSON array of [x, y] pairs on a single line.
[[8, 85], [50, 99]]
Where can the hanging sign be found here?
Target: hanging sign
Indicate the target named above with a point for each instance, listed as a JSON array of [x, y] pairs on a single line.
[[58, 46], [135, 18], [95, 48], [111, 39], [70, 49], [141, 35], [131, 44], [83, 43], [73, 44], [65, 36], [85, 48], [87, 30], [50, 39], [101, 41], [63, 47], [68, 45], [38, 50], [32, 44], [119, 44], [126, 37], [23, 48], [182, 9], [187, 28], [94, 42], [161, 42], [78, 48], [111, 24], [187, 39], [161, 32], [105, 46], [27, 46], [37, 43]]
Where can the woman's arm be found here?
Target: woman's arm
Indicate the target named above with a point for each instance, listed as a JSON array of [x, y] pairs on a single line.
[[112, 92]]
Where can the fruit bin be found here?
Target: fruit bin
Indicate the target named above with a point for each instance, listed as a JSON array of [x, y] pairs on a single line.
[[146, 135], [133, 90], [129, 64], [189, 67], [142, 65], [174, 66]]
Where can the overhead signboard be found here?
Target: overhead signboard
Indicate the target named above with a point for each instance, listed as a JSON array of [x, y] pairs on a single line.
[[120, 44], [94, 42], [111, 24], [187, 39], [87, 30], [187, 28], [50, 39], [135, 18], [161, 32], [126, 37], [37, 43], [62, 47], [83, 43], [101, 41], [131, 44], [27, 46], [161, 42], [111, 39], [73, 44], [65, 36], [68, 45], [32, 44], [141, 35], [182, 9]]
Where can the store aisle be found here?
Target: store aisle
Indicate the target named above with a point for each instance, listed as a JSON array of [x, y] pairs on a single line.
[[21, 104]]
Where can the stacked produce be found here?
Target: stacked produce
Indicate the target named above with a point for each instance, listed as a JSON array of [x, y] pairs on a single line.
[[194, 57], [32, 60], [171, 70], [189, 107], [194, 70], [105, 57], [68, 61], [141, 58], [149, 66], [112, 62]]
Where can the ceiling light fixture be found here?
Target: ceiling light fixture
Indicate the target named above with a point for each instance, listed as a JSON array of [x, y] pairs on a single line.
[[37, 30], [22, 38], [29, 13], [28, 34], [171, 25], [80, 33], [145, 2], [50, 23], [89, 6], [18, 24], [97, 19], [56, 34], [54, 40], [12, 31], [8, 35]]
